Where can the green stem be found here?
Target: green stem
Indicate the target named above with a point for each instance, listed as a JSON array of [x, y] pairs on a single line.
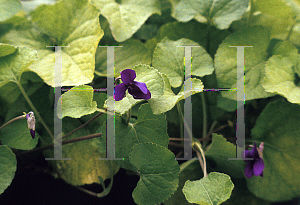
[[292, 27], [77, 139], [34, 109], [197, 147], [250, 13], [12, 120], [186, 164], [128, 116], [204, 114], [81, 126], [204, 143], [181, 120]]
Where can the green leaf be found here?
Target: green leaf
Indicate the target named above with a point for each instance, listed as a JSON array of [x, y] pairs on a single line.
[[84, 166], [280, 78], [198, 32], [219, 151], [77, 102], [169, 59], [242, 195], [159, 172], [168, 100], [278, 127], [148, 128], [8, 167], [12, 66], [98, 122], [287, 49], [217, 13], [226, 104], [127, 17], [132, 53], [29, 6], [8, 8], [189, 170], [17, 135], [177, 30], [254, 82], [278, 22], [294, 4], [77, 28], [213, 189], [6, 49], [145, 74], [226, 62]]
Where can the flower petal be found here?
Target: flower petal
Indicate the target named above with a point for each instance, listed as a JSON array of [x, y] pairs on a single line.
[[30, 120], [32, 132], [142, 86], [258, 166], [254, 152], [247, 155], [249, 169], [120, 91], [128, 76], [137, 93]]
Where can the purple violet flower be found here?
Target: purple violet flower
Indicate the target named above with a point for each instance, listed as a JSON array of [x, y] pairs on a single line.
[[31, 123], [255, 166], [137, 89]]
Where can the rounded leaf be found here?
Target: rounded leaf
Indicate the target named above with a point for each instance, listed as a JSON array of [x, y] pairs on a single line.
[[17, 135], [77, 102], [8, 167], [280, 77], [278, 127], [159, 172], [213, 189]]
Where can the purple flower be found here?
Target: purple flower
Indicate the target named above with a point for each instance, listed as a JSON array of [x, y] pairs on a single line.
[[31, 123], [255, 166], [137, 89]]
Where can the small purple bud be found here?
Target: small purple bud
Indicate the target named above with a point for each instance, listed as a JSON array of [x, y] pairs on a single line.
[[31, 123], [32, 132]]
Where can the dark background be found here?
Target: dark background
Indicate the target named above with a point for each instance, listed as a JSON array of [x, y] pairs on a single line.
[[32, 185]]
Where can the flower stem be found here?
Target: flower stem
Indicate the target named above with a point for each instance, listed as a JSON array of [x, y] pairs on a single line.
[[81, 126], [34, 110], [250, 14], [204, 143], [181, 120], [12, 120], [186, 164], [197, 148], [204, 114], [128, 116], [292, 27], [77, 139]]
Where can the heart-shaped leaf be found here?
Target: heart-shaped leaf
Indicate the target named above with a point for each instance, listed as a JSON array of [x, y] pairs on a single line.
[[159, 172], [147, 128], [278, 127], [77, 102], [213, 189], [127, 17], [220, 13]]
